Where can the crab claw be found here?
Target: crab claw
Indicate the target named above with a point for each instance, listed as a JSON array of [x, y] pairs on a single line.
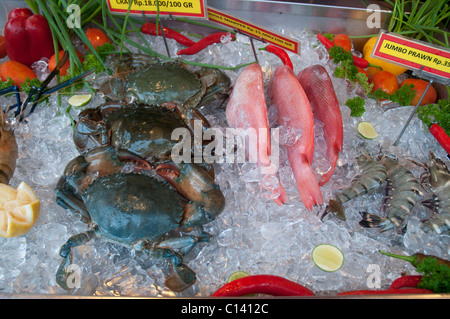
[[183, 278], [196, 185], [106, 160]]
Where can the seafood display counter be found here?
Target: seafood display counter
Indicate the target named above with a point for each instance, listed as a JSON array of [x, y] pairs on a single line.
[[320, 203]]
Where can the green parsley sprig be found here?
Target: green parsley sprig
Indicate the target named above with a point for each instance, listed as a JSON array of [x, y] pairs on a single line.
[[357, 106], [436, 277], [438, 113], [346, 69], [435, 270]]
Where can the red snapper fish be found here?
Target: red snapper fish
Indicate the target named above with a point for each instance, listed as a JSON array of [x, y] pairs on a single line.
[[247, 109], [317, 84], [294, 111]]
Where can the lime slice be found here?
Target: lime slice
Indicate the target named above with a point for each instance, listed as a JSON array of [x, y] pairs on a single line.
[[367, 130], [236, 275], [79, 100], [328, 257]]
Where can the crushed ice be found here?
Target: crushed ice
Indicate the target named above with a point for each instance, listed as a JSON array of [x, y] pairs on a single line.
[[252, 234]]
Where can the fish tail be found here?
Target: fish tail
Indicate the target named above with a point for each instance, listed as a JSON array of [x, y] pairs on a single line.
[[282, 199], [307, 185]]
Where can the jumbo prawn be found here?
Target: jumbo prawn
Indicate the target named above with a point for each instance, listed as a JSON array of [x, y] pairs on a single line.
[[8, 152], [294, 111], [318, 87], [247, 109], [438, 180], [404, 192]]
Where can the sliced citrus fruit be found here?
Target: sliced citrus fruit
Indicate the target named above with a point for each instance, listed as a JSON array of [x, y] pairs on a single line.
[[19, 209], [236, 275], [328, 257], [79, 100], [367, 130]]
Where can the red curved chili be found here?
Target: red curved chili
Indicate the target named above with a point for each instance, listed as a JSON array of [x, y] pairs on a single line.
[[325, 41], [360, 62], [282, 54], [150, 28], [357, 61], [406, 282], [440, 135], [386, 292], [204, 42], [266, 284]]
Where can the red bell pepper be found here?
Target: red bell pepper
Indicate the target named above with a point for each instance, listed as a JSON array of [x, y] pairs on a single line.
[[27, 37]]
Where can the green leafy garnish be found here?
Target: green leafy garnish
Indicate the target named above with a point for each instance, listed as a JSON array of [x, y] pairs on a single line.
[[357, 106], [5, 84], [347, 70], [92, 61], [403, 96], [24, 87], [438, 113], [436, 277]]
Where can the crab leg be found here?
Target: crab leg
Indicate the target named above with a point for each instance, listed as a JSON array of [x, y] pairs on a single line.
[[62, 275], [184, 244], [196, 185], [184, 276]]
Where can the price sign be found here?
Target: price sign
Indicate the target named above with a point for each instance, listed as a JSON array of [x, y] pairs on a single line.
[[414, 54], [184, 8], [253, 30]]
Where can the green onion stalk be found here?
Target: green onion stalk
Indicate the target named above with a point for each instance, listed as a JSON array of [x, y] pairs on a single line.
[[96, 12], [425, 20]]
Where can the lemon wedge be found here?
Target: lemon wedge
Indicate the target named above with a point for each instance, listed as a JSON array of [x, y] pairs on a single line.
[[367, 130], [328, 257], [79, 100], [19, 209], [237, 275]]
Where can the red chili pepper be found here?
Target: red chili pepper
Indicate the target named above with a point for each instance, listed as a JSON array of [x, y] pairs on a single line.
[[206, 41], [386, 292], [150, 28], [360, 62], [279, 52], [406, 282], [27, 37], [440, 135], [266, 284], [357, 61], [325, 41]]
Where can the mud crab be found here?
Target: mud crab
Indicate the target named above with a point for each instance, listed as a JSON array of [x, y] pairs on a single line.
[[147, 80], [137, 210], [142, 129]]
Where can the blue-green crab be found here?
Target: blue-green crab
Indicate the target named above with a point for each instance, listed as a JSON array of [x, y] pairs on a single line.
[[147, 102], [137, 210], [142, 129], [148, 80]]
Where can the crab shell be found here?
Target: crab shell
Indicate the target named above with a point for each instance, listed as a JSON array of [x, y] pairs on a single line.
[[131, 207], [150, 82], [143, 129]]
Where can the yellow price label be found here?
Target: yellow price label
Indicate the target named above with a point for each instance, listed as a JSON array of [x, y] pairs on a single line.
[[186, 8], [413, 54], [253, 30]]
